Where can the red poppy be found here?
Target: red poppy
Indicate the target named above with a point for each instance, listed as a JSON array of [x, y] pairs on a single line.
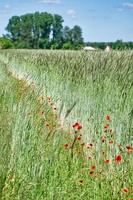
[[91, 173], [111, 142], [106, 161], [92, 168], [103, 138], [129, 148], [88, 146], [106, 126], [81, 181], [108, 118], [66, 146], [79, 138], [110, 131], [77, 126], [125, 190], [118, 158], [47, 124]]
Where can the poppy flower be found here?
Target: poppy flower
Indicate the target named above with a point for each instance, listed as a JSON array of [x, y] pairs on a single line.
[[77, 126], [78, 138], [88, 146], [111, 142], [108, 118], [92, 168], [111, 132], [125, 190], [106, 126], [47, 125], [81, 181], [91, 173], [66, 146], [103, 138], [129, 148], [118, 158], [106, 161]]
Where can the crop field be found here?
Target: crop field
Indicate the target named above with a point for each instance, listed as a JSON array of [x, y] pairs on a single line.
[[66, 125]]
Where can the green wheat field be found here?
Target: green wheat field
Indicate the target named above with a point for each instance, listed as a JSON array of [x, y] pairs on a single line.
[[66, 125]]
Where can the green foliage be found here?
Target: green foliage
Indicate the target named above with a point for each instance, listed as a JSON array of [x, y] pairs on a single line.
[[57, 28], [67, 45], [72, 38], [14, 28], [67, 34], [118, 45], [41, 30], [5, 43], [30, 30], [76, 35]]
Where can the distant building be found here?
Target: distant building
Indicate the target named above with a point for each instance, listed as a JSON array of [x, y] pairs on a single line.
[[89, 48], [108, 48]]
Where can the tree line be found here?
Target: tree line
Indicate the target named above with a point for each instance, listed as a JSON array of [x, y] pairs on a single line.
[[45, 31], [117, 45]]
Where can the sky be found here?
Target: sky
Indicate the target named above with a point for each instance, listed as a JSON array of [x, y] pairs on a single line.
[[100, 20]]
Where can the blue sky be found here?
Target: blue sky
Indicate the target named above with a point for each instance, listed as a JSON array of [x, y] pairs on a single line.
[[101, 20]]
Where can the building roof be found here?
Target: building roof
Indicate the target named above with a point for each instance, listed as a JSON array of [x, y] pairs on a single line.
[[89, 48]]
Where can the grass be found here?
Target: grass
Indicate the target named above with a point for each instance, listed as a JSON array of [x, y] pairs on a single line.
[[44, 157]]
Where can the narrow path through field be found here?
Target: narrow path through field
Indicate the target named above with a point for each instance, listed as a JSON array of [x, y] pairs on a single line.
[[17, 88]]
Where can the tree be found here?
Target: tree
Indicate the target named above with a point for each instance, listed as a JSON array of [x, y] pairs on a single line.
[[26, 33], [119, 45], [46, 21], [14, 28], [67, 45], [42, 24], [72, 37], [57, 29], [66, 34], [34, 30], [43, 30], [5, 43], [76, 35]]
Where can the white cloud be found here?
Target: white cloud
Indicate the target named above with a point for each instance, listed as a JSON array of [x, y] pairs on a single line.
[[50, 1], [71, 13], [128, 5]]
